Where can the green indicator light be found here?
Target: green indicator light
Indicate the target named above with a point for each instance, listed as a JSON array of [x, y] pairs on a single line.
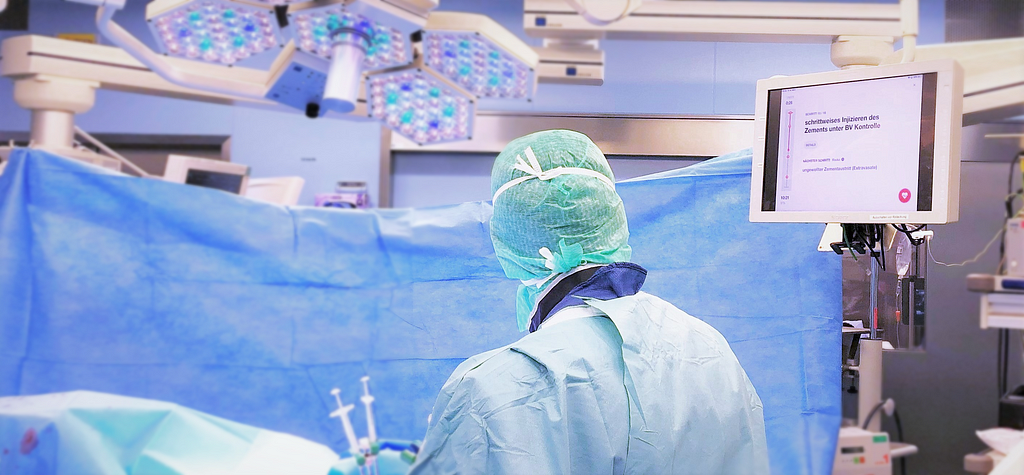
[[880, 439]]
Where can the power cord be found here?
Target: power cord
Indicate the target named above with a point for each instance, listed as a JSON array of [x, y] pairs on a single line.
[[971, 260], [889, 405], [862, 239], [899, 432], [890, 409], [910, 233]]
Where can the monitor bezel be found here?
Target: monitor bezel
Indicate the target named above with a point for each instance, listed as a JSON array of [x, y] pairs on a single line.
[[948, 125]]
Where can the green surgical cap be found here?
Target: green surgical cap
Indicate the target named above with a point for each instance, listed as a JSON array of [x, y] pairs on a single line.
[[555, 208]]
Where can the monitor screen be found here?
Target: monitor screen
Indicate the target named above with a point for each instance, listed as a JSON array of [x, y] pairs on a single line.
[[858, 146], [222, 181]]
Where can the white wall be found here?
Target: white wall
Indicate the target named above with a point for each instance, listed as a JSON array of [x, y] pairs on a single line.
[[322, 151]]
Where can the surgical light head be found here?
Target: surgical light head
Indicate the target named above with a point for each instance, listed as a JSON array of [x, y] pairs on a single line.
[[355, 36], [480, 56], [318, 29], [477, 66], [353, 42], [421, 106], [214, 31], [348, 51]]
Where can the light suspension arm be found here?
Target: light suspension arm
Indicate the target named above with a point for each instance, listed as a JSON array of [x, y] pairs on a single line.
[[155, 62], [909, 23]]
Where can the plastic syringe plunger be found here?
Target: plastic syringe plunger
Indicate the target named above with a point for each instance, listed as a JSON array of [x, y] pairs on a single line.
[[346, 423], [367, 400]]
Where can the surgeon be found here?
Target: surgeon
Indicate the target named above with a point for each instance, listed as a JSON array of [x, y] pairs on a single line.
[[610, 379]]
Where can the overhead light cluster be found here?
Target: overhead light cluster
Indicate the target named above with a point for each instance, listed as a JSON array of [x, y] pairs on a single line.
[[426, 91]]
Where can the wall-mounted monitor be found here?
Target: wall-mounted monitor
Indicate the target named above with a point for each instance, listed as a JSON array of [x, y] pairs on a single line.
[[873, 145]]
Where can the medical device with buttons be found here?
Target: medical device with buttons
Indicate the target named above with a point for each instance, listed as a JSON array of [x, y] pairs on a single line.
[[874, 145]]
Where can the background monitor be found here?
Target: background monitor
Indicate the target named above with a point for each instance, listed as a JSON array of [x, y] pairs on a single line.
[[873, 145], [217, 174]]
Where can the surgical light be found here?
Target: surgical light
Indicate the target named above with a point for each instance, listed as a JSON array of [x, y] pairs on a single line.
[[214, 31], [355, 36], [384, 46], [421, 106], [479, 55]]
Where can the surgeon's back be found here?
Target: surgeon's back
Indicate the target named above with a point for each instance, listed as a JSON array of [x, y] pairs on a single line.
[[560, 401]]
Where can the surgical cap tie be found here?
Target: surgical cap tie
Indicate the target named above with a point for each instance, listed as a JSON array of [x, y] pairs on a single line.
[[534, 170], [569, 258]]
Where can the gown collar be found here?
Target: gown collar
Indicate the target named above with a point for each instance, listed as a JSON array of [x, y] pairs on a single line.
[[608, 282]]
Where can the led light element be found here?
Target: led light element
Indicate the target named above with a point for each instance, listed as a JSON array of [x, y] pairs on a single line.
[[316, 28], [422, 107], [214, 31], [479, 55]]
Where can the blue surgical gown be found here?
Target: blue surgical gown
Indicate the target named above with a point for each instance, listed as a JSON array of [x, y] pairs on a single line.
[[643, 388]]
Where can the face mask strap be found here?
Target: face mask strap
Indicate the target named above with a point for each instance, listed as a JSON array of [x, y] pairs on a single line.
[[533, 170]]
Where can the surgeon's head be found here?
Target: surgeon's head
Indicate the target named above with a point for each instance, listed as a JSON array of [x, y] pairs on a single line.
[[555, 208]]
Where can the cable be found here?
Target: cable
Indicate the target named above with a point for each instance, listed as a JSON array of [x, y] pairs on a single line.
[[1004, 361], [910, 233], [899, 429], [862, 238], [971, 260], [846, 239], [1013, 169], [999, 364], [872, 415], [899, 432], [880, 231]]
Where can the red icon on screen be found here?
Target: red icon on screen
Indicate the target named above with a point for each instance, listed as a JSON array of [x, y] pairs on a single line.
[[904, 195]]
